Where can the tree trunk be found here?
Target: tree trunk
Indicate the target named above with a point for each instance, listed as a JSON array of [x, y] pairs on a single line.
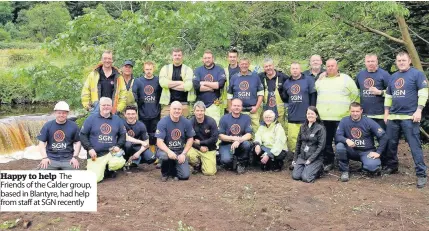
[[409, 45]]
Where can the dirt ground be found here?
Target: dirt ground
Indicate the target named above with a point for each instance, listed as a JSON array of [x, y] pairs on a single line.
[[253, 201]]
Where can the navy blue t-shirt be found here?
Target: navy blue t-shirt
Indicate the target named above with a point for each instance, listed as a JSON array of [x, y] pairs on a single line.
[[147, 93], [361, 132], [215, 74], [137, 130], [246, 87], [298, 93], [404, 88], [103, 132], [233, 71], [372, 104], [60, 139], [232, 126], [175, 134]]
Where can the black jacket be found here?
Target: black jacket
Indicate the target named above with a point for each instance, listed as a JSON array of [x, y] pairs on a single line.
[[311, 142]]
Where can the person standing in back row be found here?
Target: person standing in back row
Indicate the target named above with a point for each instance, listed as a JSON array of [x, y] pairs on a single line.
[[335, 92], [406, 96]]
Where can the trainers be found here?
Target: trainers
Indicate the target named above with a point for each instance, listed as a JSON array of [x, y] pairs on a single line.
[[176, 178], [240, 169], [164, 178], [344, 176], [421, 182], [328, 167], [388, 171]]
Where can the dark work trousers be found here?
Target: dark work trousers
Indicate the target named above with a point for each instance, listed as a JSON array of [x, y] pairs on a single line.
[[146, 157], [274, 162], [151, 129], [331, 129], [307, 173], [411, 131], [346, 153], [383, 153]]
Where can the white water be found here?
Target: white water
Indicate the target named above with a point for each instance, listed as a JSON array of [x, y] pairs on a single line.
[[31, 153]]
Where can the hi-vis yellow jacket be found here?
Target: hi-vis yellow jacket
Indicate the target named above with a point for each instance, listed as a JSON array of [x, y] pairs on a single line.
[[92, 89], [334, 96], [272, 137], [165, 76]]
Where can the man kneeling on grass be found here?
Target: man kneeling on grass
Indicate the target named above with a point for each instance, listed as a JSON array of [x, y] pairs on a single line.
[[202, 155], [103, 135], [174, 135]]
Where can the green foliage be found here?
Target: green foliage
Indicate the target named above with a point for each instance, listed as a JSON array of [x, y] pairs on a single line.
[[5, 12], [18, 44], [44, 21], [11, 28], [11, 89], [4, 35]]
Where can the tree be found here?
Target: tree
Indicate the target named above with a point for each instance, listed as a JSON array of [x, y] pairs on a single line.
[[5, 12], [44, 20]]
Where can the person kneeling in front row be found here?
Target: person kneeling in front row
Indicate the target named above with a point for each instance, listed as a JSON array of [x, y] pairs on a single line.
[[270, 143], [308, 159]]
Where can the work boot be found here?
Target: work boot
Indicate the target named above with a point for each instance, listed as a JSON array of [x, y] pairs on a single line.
[[421, 181], [344, 176], [328, 167], [164, 178], [240, 169], [388, 171], [196, 169]]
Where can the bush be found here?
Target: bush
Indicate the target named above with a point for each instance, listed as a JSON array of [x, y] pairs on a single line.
[[12, 90], [4, 35]]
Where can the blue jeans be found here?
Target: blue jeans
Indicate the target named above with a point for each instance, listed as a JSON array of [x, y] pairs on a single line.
[[171, 167], [412, 135], [345, 153], [95, 108], [242, 152]]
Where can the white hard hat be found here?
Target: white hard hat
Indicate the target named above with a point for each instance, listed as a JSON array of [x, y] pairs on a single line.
[[61, 106]]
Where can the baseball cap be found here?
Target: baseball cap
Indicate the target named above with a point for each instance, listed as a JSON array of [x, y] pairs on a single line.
[[128, 62]]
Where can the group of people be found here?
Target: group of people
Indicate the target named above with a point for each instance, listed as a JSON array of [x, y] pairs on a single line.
[[234, 117]]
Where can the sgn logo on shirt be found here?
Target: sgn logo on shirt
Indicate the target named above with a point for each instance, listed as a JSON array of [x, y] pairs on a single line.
[[235, 129], [208, 78], [105, 129], [399, 83], [176, 134], [295, 90], [244, 86], [59, 137], [149, 98], [131, 133], [357, 134], [368, 83]]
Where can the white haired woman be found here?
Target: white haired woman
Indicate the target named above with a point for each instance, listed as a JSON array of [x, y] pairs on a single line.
[[270, 143]]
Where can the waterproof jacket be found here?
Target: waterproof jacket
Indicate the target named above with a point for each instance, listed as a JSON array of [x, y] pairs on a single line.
[[311, 142], [166, 75], [92, 89], [272, 137]]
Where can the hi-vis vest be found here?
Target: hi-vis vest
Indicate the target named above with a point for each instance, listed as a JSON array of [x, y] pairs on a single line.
[[334, 96], [166, 75], [130, 96], [279, 101]]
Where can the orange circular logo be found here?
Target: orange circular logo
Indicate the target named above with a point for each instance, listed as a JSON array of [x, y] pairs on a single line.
[[208, 78], [148, 90], [399, 83], [356, 133], [131, 133], [244, 85], [176, 134], [235, 129], [272, 101], [295, 89], [59, 136], [369, 82], [105, 129]]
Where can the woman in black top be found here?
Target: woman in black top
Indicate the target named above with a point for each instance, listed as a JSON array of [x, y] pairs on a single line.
[[308, 158]]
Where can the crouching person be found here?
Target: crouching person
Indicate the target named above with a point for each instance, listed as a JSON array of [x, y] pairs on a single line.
[[270, 143], [308, 158], [59, 141], [103, 135], [355, 137], [202, 155], [174, 135], [137, 143], [235, 131]]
